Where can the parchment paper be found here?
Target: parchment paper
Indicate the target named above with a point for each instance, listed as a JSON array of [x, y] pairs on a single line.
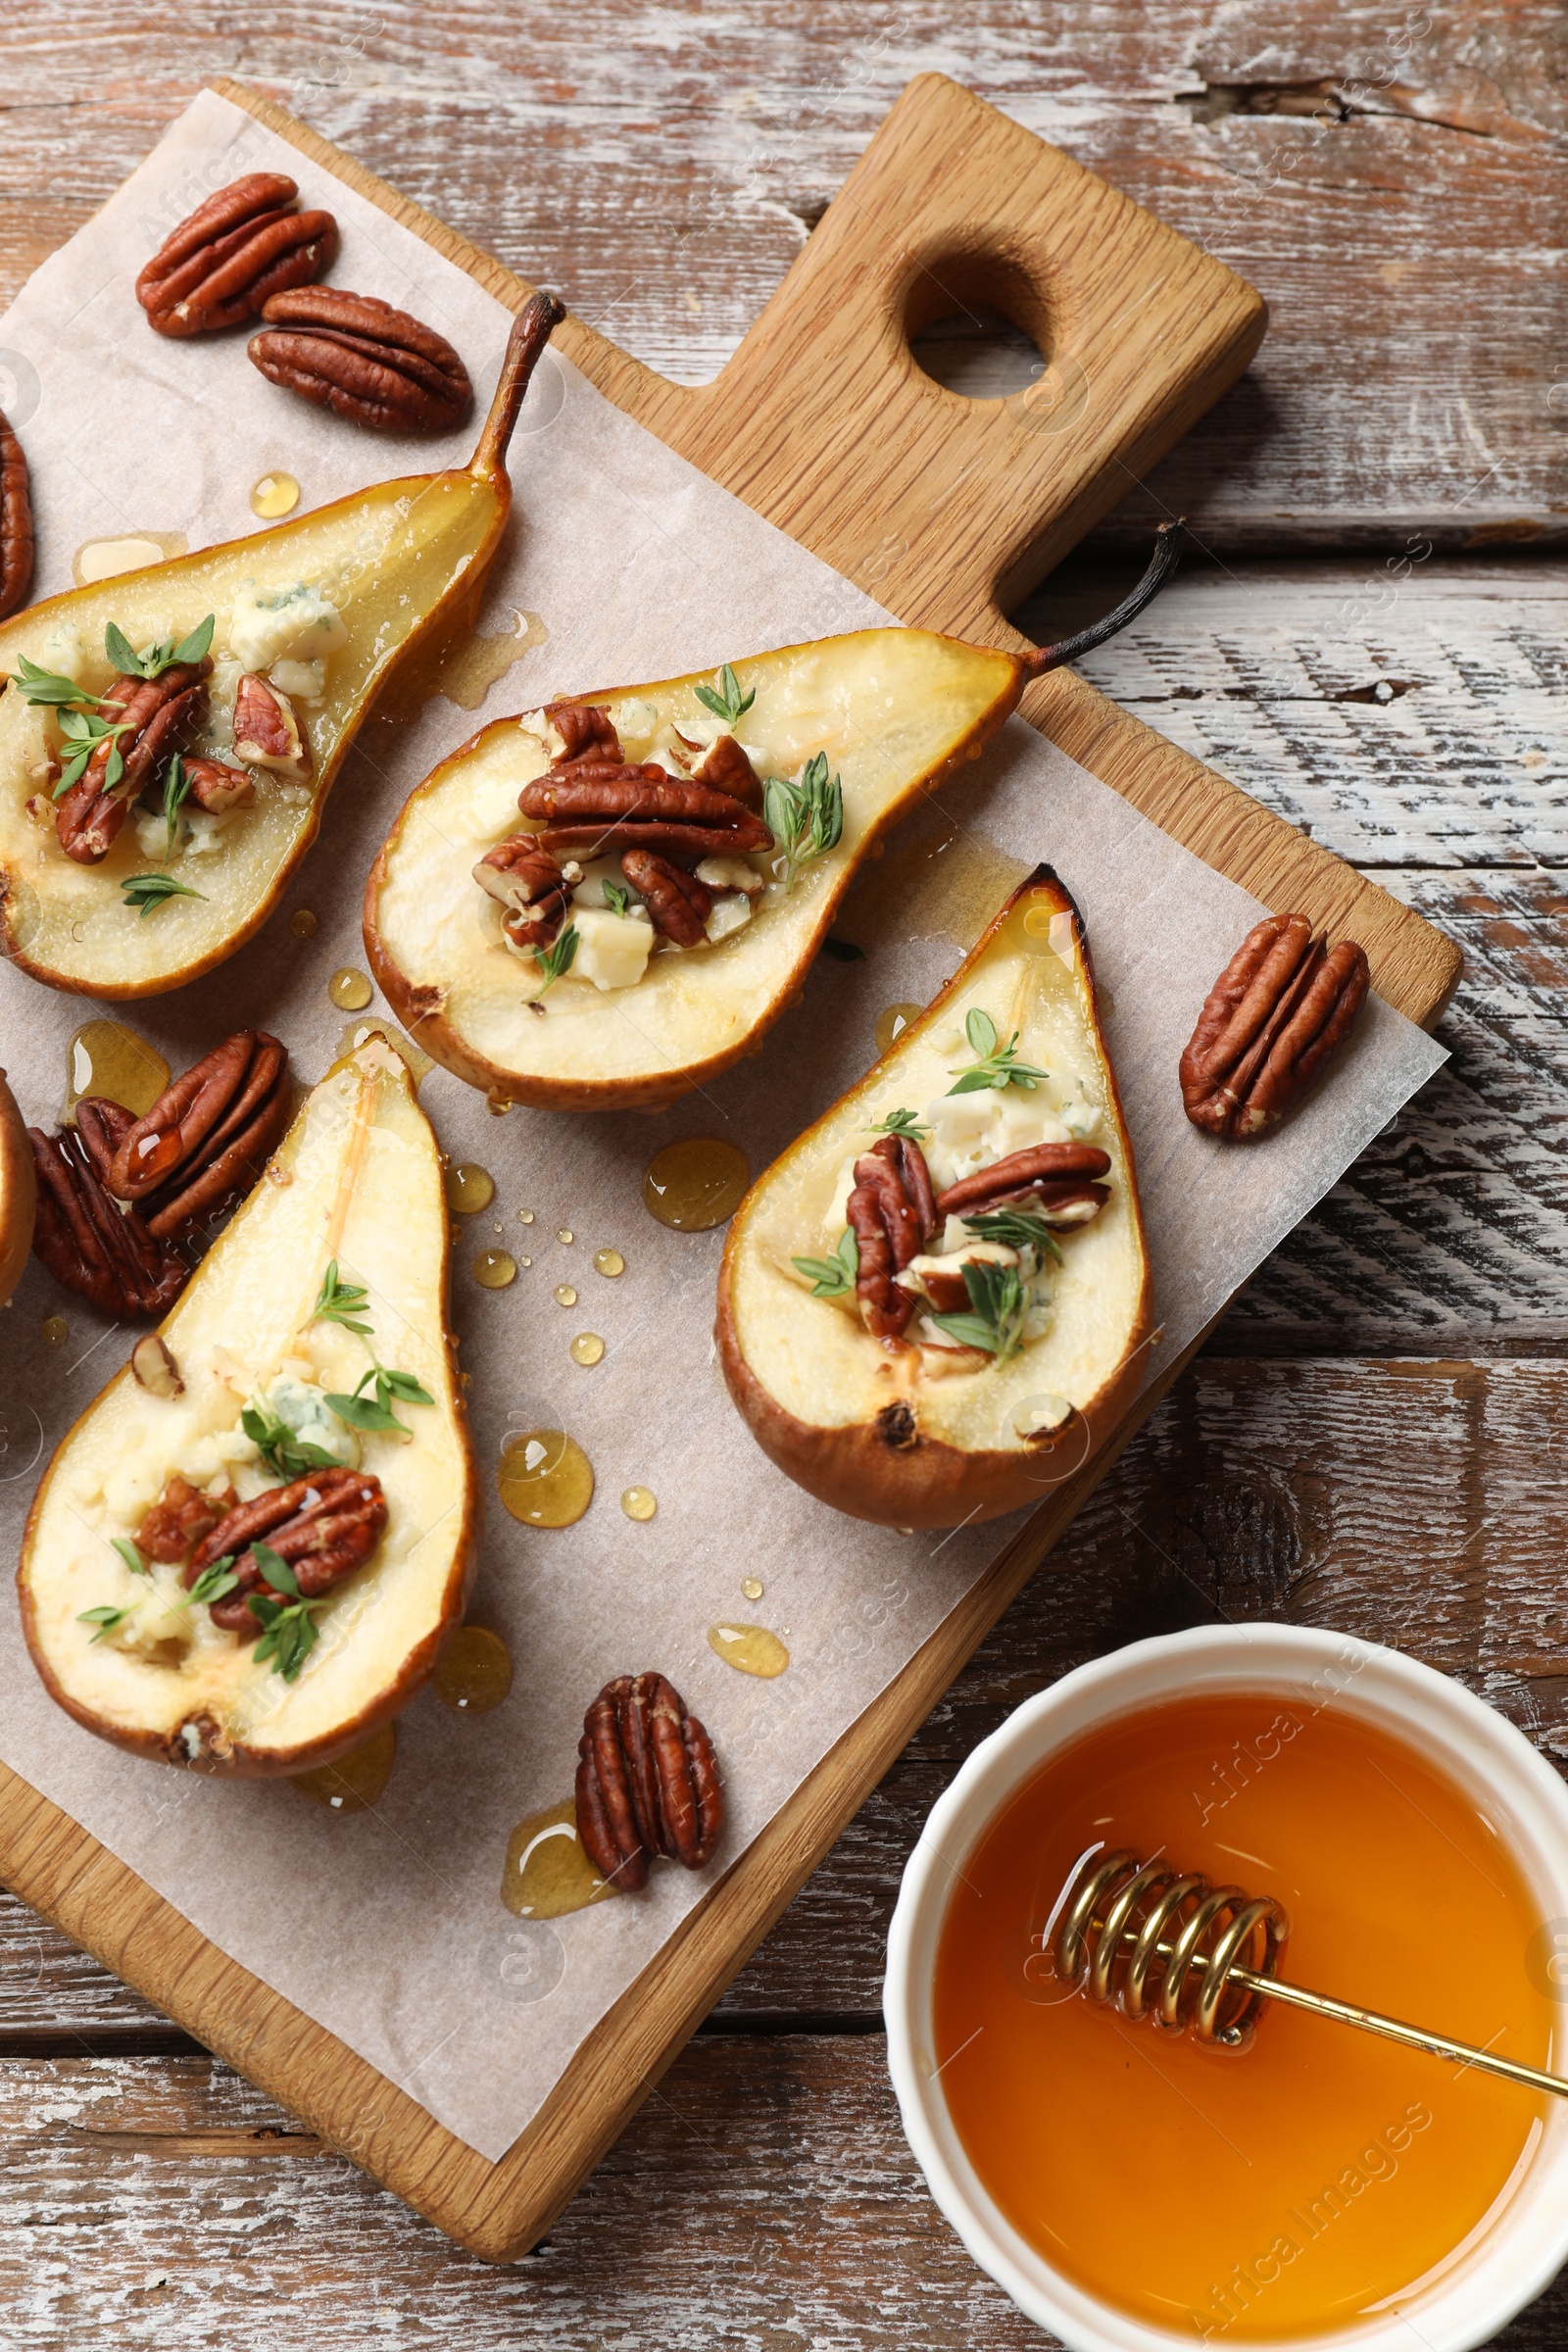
[[387, 1925]]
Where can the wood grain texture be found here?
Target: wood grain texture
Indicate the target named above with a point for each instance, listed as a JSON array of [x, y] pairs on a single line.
[[1366, 168], [1259, 1490]]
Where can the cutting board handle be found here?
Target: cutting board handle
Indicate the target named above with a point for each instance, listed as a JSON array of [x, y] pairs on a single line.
[[929, 500]]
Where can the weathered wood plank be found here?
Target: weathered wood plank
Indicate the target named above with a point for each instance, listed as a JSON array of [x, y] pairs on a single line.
[[1368, 171], [763, 2199]]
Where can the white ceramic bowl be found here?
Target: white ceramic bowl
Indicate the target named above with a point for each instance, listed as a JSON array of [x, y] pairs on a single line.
[[1526, 2243]]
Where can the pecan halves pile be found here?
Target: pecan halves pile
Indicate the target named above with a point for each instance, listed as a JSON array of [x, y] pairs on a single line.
[[1274, 1019], [364, 360], [206, 1138], [323, 1527], [647, 1781], [16, 521], [235, 251], [90, 1246], [594, 806], [529, 885], [150, 717], [1059, 1180], [892, 1214]]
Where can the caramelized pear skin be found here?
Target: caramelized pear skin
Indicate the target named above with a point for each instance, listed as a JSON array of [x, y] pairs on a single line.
[[356, 1183], [891, 1431], [887, 715], [17, 1193], [395, 562]]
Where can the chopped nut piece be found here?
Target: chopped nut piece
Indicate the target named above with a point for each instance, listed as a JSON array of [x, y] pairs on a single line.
[[153, 1367]]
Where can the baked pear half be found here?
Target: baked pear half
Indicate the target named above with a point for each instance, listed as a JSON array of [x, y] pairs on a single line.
[[169, 737], [605, 902], [248, 1551], [934, 1307], [17, 1193]]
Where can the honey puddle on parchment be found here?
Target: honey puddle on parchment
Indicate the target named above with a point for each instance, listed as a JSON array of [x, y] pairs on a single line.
[[460, 664], [1319, 2176], [105, 559], [110, 1060], [938, 880]]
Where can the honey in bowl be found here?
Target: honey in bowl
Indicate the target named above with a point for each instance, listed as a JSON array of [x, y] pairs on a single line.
[[1319, 2177]]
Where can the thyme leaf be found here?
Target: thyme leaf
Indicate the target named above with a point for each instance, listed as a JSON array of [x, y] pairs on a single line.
[[832, 1277], [805, 820], [556, 959], [146, 893], [1017, 1228], [998, 1065], [728, 703], [899, 1122], [1000, 1301]]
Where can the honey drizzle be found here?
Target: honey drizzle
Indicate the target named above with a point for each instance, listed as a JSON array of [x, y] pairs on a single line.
[[110, 1060], [547, 1873]]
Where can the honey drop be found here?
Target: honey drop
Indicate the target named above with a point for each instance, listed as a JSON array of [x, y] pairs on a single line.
[[107, 1059], [107, 558], [494, 1269], [587, 1349], [355, 1782], [302, 922], [273, 496], [565, 1296], [751, 1588], [892, 1022], [55, 1330], [349, 990], [545, 1478], [526, 1216], [696, 1184], [470, 1189], [474, 1672], [547, 1871], [564, 1234], [749, 1648], [639, 1503], [497, 1104], [608, 1262]]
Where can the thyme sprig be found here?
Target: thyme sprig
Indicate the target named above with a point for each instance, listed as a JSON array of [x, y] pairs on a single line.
[[106, 1619], [288, 1628], [176, 792], [374, 1413], [832, 1277], [617, 897], [146, 893], [899, 1122], [805, 820], [284, 1451], [555, 960], [1000, 1303], [339, 1302], [998, 1065], [728, 703], [166, 654], [215, 1581]]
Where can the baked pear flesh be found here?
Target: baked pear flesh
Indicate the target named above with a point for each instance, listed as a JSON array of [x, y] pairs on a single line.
[[352, 1204], [872, 720], [17, 1193], [326, 606], [886, 1406]]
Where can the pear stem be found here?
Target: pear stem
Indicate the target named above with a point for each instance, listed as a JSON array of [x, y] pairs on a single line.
[[1162, 564], [531, 330]]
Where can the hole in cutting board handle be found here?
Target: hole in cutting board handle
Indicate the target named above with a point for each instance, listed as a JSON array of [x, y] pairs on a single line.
[[980, 326]]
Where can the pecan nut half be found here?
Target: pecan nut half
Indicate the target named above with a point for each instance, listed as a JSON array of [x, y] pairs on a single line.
[[267, 733], [16, 521], [892, 1214], [181, 1517], [206, 1138], [323, 1526], [595, 807], [1273, 1020], [216, 787], [1061, 1180], [364, 360], [727, 768], [150, 717], [647, 1781], [586, 732], [107, 1257], [240, 247], [678, 905], [529, 885]]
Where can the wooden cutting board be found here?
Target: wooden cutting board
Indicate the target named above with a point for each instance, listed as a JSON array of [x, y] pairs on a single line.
[[947, 510]]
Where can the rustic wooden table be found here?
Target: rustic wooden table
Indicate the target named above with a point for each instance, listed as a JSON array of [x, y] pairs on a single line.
[[1372, 644]]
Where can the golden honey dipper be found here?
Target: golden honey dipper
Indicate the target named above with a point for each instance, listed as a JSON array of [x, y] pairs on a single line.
[[1153, 1938]]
